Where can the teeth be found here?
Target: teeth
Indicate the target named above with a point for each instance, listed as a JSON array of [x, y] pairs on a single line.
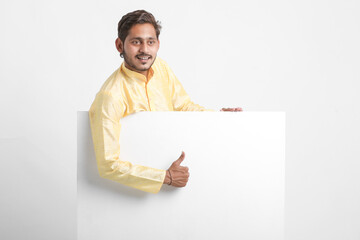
[[144, 58]]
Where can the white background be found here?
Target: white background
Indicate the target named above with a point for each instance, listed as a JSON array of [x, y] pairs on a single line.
[[301, 57]]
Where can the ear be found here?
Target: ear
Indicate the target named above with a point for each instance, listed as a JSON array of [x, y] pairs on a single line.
[[119, 45]]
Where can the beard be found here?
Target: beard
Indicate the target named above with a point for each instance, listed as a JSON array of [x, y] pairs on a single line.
[[138, 67]]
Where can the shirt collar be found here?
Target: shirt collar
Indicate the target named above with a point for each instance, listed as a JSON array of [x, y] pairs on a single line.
[[136, 75]]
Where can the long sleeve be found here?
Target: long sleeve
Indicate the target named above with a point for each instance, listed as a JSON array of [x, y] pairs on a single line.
[[180, 99], [105, 114]]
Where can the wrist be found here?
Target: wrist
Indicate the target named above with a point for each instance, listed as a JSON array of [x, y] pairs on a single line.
[[168, 179]]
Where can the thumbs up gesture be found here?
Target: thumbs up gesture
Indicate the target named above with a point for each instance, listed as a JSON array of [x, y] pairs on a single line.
[[177, 175]]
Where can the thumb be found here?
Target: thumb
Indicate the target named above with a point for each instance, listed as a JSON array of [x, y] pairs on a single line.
[[180, 159]]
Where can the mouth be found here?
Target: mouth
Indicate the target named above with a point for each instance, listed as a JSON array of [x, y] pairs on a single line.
[[143, 58]]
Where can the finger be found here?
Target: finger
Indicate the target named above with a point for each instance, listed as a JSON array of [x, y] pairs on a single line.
[[180, 159], [182, 169], [238, 109]]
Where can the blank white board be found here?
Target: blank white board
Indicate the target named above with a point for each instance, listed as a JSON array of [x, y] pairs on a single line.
[[236, 185]]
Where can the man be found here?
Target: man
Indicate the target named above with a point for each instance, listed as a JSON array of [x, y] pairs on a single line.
[[143, 82]]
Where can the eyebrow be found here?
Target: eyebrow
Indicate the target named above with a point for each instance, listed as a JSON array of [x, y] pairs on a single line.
[[139, 38]]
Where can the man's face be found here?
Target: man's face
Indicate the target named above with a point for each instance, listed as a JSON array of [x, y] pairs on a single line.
[[140, 48]]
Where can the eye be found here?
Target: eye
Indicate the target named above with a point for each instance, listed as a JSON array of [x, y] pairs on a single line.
[[151, 42], [135, 42]]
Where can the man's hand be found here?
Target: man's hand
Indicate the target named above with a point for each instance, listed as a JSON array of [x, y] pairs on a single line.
[[238, 109], [177, 175]]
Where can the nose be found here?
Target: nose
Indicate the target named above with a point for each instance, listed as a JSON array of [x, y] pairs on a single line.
[[144, 48]]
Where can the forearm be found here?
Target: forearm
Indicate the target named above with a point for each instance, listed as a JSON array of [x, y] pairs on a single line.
[[184, 103], [140, 177], [111, 167]]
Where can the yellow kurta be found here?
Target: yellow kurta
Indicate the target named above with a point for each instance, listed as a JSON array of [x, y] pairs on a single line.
[[124, 93]]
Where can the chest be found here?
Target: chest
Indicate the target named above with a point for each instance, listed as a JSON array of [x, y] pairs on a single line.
[[153, 95]]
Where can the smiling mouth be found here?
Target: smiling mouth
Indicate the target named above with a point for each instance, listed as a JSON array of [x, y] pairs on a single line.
[[143, 57]]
